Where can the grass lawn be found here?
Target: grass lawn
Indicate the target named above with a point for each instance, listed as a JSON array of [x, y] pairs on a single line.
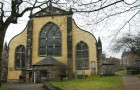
[[2, 88], [91, 83], [138, 75], [122, 72]]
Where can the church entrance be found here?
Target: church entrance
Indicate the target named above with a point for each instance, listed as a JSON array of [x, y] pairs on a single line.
[[47, 74], [43, 75], [40, 76], [46, 69]]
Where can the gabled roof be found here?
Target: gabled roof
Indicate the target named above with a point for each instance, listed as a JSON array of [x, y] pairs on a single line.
[[47, 61], [51, 11]]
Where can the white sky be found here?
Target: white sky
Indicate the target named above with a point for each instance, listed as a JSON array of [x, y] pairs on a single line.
[[15, 29], [106, 30]]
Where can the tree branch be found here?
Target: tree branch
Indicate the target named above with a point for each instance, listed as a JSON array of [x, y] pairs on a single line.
[[2, 13], [126, 23], [7, 2], [118, 13], [87, 4], [100, 8], [130, 3], [29, 9], [33, 7]]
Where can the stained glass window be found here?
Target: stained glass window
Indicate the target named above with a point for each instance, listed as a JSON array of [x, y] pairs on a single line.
[[82, 60], [20, 57], [50, 40]]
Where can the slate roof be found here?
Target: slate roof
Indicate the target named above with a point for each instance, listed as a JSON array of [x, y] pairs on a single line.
[[51, 11], [47, 61]]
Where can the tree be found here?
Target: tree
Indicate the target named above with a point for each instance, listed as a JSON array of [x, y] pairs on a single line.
[[128, 43], [109, 18], [4, 65], [62, 70], [11, 16], [12, 10]]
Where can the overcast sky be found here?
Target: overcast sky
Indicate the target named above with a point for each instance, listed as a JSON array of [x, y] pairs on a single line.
[[107, 29], [15, 29]]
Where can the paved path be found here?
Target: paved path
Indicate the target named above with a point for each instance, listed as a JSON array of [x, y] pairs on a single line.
[[131, 83], [23, 86]]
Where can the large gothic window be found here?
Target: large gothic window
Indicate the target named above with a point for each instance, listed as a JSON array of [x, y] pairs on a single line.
[[50, 40], [82, 56], [20, 57]]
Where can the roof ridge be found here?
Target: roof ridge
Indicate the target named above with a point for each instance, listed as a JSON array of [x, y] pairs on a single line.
[[48, 60], [51, 11]]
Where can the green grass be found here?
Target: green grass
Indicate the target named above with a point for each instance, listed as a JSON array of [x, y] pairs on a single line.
[[91, 83], [122, 72], [2, 88], [138, 75]]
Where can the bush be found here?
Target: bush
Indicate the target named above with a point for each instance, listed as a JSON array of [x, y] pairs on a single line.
[[138, 75]]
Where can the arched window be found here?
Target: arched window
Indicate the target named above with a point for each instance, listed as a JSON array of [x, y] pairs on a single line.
[[82, 56], [20, 57], [50, 40]]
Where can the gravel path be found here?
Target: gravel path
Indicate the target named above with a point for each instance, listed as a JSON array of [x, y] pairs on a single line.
[[131, 83], [23, 86]]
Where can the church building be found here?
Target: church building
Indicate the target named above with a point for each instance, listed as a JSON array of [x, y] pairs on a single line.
[[52, 46]]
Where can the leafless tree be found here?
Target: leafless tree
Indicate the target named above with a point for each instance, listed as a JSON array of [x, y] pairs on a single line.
[[110, 21], [129, 43], [12, 10]]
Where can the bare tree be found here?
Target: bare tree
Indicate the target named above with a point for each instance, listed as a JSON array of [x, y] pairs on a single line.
[[129, 43], [12, 10], [12, 13], [109, 18]]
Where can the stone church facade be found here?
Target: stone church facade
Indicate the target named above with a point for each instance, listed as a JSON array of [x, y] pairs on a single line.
[[51, 46]]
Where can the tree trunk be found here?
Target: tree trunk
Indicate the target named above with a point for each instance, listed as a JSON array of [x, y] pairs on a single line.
[[2, 35]]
